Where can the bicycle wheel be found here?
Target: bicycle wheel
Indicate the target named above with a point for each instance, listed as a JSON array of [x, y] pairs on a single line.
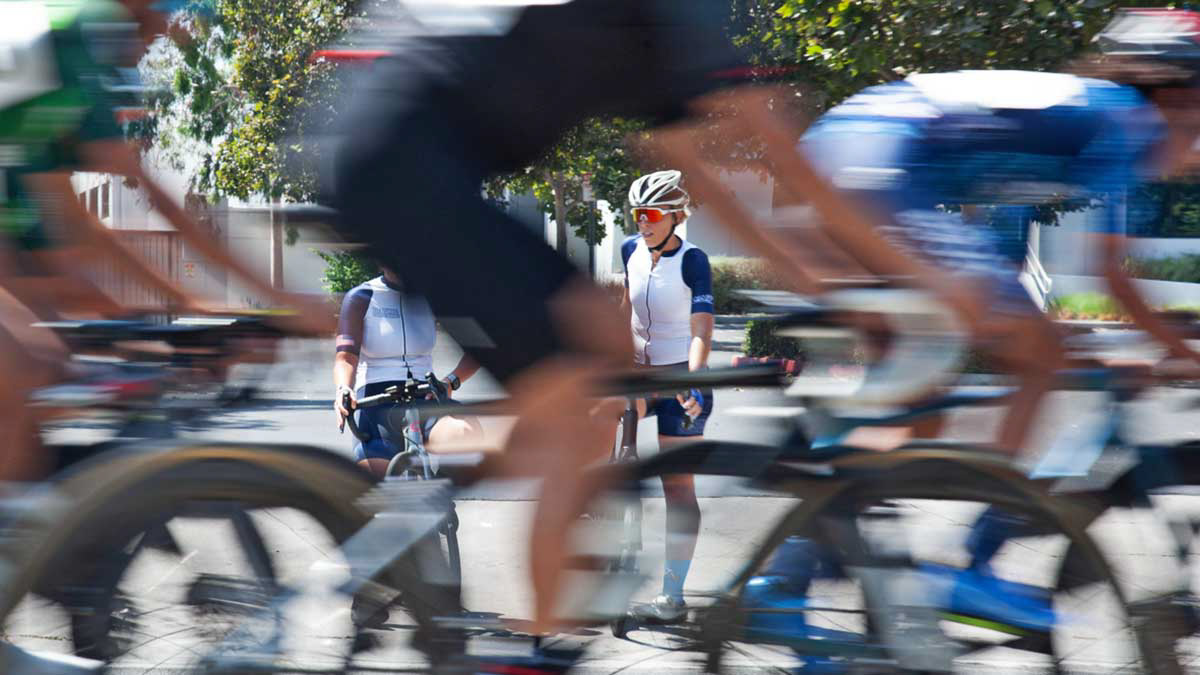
[[215, 598], [881, 573]]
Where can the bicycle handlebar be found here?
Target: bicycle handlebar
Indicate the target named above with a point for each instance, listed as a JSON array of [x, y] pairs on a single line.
[[411, 392]]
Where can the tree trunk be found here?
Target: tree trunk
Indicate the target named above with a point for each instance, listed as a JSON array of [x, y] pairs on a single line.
[[560, 213], [276, 246]]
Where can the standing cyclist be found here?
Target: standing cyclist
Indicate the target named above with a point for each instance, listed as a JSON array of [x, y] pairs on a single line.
[[668, 294], [384, 335]]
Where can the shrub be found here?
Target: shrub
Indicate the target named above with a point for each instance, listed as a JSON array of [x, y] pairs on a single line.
[[1095, 306], [761, 340], [732, 274], [1176, 268], [344, 270]]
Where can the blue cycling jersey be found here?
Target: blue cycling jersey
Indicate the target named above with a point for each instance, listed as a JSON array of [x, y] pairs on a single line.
[[1010, 138], [990, 137]]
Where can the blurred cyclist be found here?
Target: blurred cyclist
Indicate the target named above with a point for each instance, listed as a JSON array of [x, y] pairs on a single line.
[[56, 118], [668, 295], [904, 150], [439, 114]]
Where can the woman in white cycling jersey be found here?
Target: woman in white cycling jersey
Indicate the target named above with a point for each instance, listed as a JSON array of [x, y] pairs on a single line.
[[383, 335], [668, 294]]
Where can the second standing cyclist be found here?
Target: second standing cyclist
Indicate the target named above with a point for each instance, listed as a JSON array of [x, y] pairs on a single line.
[[668, 297]]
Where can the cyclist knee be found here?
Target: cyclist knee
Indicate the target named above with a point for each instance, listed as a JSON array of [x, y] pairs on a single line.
[[451, 432]]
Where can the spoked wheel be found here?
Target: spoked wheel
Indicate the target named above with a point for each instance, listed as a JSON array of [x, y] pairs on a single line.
[[935, 566], [213, 559]]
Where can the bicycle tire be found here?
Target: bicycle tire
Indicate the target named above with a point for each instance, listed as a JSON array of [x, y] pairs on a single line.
[[131, 488], [906, 474]]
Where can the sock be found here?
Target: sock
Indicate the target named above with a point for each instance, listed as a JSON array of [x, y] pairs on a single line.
[[674, 573]]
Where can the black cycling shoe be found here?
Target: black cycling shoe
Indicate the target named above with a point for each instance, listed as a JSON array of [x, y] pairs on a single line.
[[368, 613]]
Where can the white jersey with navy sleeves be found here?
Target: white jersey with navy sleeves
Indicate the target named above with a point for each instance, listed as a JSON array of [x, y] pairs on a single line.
[[390, 331], [664, 296]]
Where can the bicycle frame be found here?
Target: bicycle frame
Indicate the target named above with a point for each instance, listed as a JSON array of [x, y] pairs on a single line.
[[402, 466]]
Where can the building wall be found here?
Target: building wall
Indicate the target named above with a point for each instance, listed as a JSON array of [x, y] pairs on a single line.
[[754, 192], [128, 209], [246, 232], [1163, 248], [244, 228]]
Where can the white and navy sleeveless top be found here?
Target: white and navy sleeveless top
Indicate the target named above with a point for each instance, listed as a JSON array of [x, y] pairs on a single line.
[[664, 297], [389, 331]]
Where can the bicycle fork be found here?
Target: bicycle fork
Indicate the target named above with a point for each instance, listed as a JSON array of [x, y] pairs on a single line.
[[631, 530]]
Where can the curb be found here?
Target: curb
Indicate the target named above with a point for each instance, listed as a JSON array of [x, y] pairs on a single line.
[[789, 366]]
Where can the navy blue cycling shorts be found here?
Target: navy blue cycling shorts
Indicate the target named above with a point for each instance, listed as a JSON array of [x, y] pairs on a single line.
[[672, 418], [386, 437]]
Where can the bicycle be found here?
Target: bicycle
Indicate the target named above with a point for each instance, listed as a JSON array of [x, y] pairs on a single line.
[[837, 493], [413, 461], [827, 425], [149, 392]]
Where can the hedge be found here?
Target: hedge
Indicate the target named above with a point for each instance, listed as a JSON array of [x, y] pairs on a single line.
[[731, 274], [760, 340], [1175, 268]]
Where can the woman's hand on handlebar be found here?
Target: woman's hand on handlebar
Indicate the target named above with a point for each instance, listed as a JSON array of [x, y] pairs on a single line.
[[692, 402], [445, 393], [344, 403]]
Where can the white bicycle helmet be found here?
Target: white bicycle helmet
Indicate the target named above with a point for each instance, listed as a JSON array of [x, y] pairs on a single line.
[[661, 189]]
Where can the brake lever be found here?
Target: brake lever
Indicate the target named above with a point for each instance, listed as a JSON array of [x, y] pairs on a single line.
[[350, 419], [438, 388]]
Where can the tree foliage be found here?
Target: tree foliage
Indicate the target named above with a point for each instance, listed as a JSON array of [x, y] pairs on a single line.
[[838, 47], [346, 269], [1168, 209], [235, 103], [595, 149]]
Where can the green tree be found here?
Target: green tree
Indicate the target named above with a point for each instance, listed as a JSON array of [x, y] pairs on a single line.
[[837, 47], [345, 269], [595, 149], [237, 102]]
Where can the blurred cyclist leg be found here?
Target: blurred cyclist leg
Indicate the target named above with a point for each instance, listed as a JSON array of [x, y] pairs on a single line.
[[28, 357], [520, 309]]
